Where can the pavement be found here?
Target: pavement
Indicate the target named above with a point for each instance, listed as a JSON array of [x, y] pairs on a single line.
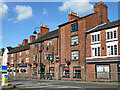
[[59, 85]]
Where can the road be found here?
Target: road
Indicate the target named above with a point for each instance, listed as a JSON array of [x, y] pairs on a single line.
[[60, 85]]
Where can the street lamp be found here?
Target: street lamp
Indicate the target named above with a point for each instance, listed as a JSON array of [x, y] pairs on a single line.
[[35, 32]]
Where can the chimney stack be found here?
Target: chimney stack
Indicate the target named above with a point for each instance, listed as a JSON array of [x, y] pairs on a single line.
[[101, 8], [19, 45], [38, 35], [25, 41], [73, 16], [44, 29], [32, 38]]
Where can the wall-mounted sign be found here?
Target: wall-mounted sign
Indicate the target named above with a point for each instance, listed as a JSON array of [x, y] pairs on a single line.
[[23, 65], [4, 68]]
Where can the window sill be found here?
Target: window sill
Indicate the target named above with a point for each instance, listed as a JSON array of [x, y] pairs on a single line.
[[95, 42], [75, 60], [73, 31], [111, 39], [74, 45]]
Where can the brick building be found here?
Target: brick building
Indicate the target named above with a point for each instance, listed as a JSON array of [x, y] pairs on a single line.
[[72, 40], [103, 52], [83, 45]]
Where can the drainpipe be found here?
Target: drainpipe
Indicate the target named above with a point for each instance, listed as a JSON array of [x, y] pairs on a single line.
[[85, 56]]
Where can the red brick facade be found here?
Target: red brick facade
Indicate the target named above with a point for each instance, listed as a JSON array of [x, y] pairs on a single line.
[[82, 68]]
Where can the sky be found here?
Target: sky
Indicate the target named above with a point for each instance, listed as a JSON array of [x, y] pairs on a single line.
[[19, 19]]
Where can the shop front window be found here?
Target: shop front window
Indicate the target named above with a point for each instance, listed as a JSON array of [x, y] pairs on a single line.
[[66, 72], [52, 70], [76, 72]]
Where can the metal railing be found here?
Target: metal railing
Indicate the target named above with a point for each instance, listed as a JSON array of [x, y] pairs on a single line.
[[90, 76]]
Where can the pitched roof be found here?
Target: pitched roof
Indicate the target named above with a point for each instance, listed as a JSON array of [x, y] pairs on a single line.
[[104, 26], [9, 48], [46, 36], [75, 20], [21, 48]]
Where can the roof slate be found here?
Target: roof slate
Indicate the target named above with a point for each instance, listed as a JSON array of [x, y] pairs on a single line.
[[104, 26], [44, 37], [47, 36]]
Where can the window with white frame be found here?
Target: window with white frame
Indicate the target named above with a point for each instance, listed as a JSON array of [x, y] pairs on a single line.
[[103, 71], [49, 42], [74, 40], [95, 50], [111, 34], [27, 52], [27, 60], [74, 55], [11, 55], [11, 61], [20, 54], [95, 37], [112, 48], [20, 60]]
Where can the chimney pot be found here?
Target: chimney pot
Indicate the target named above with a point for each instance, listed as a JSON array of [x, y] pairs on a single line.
[[73, 16], [32, 38]]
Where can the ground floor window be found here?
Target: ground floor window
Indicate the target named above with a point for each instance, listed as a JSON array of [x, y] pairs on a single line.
[[103, 71], [34, 70], [76, 72], [51, 71], [66, 72]]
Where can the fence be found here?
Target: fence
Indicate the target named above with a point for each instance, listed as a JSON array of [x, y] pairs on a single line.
[[89, 76]]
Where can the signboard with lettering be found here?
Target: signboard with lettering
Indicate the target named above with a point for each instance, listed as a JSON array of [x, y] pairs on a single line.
[[23, 65], [4, 68]]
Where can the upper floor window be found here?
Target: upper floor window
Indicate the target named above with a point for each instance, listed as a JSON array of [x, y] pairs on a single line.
[[20, 54], [27, 52], [111, 34], [42, 44], [20, 61], [95, 50], [11, 61], [12, 55], [95, 37], [112, 48], [74, 40], [49, 42], [74, 27], [35, 46], [27, 59], [34, 56], [74, 55]]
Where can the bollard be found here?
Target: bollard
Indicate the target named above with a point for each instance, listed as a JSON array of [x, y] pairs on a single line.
[[4, 75]]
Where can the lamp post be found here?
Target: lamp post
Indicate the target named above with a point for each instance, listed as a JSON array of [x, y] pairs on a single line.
[[35, 32]]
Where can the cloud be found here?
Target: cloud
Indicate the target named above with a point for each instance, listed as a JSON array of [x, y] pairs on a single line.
[[3, 10], [79, 6], [10, 19], [45, 12], [24, 12]]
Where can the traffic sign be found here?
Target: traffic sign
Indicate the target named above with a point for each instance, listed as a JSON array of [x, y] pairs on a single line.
[[4, 68]]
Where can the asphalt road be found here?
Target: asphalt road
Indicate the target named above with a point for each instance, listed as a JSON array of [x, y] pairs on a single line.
[[60, 85]]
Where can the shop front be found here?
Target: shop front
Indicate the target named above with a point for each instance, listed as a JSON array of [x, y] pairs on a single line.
[[66, 72], [76, 72]]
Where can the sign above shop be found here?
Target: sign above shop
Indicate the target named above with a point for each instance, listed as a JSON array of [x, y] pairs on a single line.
[[23, 65]]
